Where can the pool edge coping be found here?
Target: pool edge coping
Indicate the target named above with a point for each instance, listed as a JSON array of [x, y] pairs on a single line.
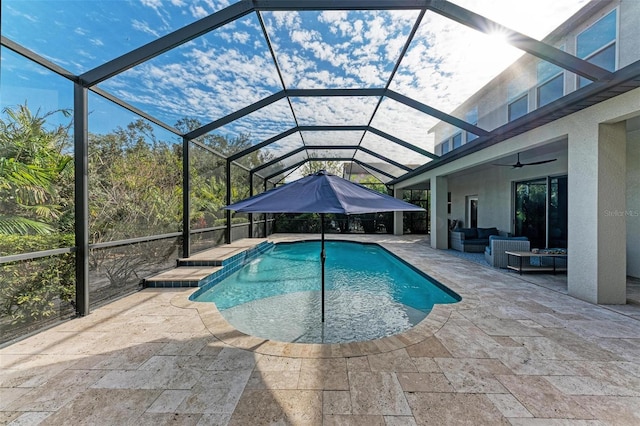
[[216, 324]]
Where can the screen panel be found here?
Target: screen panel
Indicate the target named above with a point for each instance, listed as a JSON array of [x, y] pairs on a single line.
[[334, 110], [337, 49], [206, 79], [80, 35]]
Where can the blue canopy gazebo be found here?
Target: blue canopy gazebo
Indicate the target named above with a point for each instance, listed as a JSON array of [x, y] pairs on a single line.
[[322, 193]]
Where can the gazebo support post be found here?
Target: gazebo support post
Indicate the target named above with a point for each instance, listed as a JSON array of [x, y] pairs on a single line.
[[323, 257], [186, 200], [227, 234]]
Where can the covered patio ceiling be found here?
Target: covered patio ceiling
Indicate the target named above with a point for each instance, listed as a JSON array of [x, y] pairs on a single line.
[[354, 80]]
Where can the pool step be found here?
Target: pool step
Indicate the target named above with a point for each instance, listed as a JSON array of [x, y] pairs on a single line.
[[182, 276], [208, 267], [224, 254]]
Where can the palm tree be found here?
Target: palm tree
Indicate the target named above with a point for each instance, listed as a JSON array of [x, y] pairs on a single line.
[[32, 161]]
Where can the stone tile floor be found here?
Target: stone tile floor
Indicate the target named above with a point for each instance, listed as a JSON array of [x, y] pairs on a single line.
[[516, 350]]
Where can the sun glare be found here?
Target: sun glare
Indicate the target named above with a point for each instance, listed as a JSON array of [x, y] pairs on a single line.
[[501, 50]]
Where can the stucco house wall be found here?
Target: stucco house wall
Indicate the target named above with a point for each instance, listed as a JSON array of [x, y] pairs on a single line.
[[633, 198]]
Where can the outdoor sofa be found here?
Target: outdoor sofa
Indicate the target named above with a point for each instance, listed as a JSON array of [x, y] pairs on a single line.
[[494, 253], [472, 240]]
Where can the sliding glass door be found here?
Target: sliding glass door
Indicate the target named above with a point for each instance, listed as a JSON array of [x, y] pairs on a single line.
[[541, 211], [557, 215]]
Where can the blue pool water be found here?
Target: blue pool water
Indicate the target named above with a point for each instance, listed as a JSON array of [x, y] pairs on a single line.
[[369, 293]]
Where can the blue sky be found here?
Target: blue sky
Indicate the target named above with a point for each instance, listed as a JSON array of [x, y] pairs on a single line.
[[230, 68]]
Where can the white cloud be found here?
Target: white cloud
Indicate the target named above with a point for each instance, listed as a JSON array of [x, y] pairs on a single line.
[[16, 13], [144, 27], [334, 110], [286, 19], [217, 4], [241, 37], [154, 4], [203, 83], [198, 11]]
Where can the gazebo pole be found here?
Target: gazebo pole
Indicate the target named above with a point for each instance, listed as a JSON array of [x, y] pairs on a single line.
[[322, 259]]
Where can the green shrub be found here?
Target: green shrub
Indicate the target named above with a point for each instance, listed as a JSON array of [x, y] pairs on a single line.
[[33, 290]]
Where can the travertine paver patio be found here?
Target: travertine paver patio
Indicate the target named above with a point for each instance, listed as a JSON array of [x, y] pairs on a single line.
[[512, 352]]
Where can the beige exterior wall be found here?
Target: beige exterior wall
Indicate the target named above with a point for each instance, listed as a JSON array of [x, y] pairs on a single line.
[[629, 33], [633, 201]]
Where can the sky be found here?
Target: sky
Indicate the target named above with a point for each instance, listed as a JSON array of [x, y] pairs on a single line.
[[232, 67]]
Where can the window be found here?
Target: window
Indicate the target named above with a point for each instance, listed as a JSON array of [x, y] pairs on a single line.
[[518, 107], [457, 140], [472, 118], [551, 90], [550, 82], [445, 147], [597, 44], [606, 59], [451, 143]]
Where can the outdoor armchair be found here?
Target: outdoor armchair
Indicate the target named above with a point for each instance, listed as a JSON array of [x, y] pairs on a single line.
[[495, 254]]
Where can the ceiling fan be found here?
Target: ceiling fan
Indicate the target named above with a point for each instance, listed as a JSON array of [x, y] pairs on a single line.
[[518, 164]]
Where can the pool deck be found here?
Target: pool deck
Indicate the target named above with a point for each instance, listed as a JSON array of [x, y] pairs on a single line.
[[517, 350]]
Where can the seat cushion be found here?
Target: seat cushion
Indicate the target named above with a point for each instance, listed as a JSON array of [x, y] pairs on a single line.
[[487, 232], [476, 241], [469, 233], [500, 237]]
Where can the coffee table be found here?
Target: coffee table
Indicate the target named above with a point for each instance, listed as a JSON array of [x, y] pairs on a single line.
[[520, 267]]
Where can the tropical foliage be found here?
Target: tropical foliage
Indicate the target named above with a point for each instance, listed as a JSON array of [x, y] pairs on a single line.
[[135, 187], [310, 167], [34, 173]]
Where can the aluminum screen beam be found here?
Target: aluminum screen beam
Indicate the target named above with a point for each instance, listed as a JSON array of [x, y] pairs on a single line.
[[284, 5], [276, 97], [278, 159], [372, 130], [338, 92], [294, 93], [403, 143], [165, 43], [375, 169], [217, 154], [385, 159], [317, 147], [412, 103], [23, 51], [235, 115], [332, 128], [521, 41], [436, 113], [300, 163], [135, 110], [293, 166], [262, 144]]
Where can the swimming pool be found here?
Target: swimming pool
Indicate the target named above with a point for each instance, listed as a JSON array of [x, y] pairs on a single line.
[[370, 293]]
